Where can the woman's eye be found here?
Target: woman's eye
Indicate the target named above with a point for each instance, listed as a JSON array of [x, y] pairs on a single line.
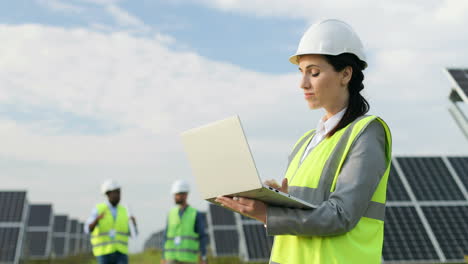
[[315, 74]]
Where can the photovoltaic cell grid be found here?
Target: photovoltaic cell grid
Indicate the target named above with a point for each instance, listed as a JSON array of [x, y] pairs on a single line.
[[461, 77], [224, 234], [40, 215], [12, 206], [450, 226], [405, 237], [395, 189], [37, 244], [430, 179], [8, 242], [60, 223], [72, 242], [460, 165], [227, 242], [258, 243]]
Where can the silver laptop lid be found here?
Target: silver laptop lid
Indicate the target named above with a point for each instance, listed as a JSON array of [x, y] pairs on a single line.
[[220, 158]]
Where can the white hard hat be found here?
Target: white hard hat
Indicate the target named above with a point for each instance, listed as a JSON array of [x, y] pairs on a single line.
[[109, 185], [329, 37], [180, 186]]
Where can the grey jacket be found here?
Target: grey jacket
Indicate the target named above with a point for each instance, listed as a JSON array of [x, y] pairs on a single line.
[[360, 175]]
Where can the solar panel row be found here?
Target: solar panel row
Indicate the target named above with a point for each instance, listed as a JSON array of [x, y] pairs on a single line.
[[27, 231], [429, 228]]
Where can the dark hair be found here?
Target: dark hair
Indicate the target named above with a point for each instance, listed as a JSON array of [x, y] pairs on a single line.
[[357, 105]]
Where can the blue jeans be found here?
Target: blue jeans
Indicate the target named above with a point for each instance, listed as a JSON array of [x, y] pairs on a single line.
[[113, 258]]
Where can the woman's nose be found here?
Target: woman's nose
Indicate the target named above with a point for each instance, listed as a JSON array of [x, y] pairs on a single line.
[[305, 82]]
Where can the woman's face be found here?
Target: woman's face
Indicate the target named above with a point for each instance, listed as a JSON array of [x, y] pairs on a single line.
[[323, 87]]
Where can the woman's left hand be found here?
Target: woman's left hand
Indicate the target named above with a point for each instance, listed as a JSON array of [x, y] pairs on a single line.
[[248, 207]]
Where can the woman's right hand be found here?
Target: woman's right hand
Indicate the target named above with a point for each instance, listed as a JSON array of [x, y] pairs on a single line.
[[274, 184]]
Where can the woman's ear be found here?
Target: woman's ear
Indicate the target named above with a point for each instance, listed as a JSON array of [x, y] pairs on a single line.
[[347, 73]]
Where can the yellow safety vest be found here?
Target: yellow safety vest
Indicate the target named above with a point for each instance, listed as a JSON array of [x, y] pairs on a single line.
[[362, 244], [110, 235], [182, 242]]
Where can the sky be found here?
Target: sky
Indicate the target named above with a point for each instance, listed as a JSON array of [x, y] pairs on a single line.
[[98, 89]]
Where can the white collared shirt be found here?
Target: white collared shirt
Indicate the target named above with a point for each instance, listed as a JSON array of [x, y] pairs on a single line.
[[323, 127]]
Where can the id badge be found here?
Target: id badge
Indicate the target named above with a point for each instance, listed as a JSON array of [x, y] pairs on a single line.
[[177, 240], [112, 233]]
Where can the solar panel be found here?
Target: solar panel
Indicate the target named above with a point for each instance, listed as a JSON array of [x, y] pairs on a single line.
[[257, 242], [37, 244], [221, 216], [155, 241], [72, 242], [58, 246], [227, 242], [13, 217], [405, 237], [450, 226], [460, 76], [222, 230], [430, 179], [40, 215], [460, 165], [39, 231], [60, 223], [61, 235], [395, 190], [12, 206], [9, 237]]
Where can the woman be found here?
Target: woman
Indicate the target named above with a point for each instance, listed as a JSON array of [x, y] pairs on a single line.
[[341, 167]]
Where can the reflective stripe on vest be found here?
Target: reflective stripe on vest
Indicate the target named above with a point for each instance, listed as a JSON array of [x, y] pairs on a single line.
[[314, 180], [182, 243], [102, 241]]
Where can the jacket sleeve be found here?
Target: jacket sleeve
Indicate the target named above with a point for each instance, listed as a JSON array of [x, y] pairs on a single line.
[[359, 177]]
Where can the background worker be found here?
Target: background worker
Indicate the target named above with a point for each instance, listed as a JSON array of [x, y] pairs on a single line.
[[342, 166], [111, 225], [185, 238]]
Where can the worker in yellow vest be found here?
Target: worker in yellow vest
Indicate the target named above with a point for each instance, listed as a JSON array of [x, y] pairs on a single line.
[[110, 226], [185, 238], [341, 167]]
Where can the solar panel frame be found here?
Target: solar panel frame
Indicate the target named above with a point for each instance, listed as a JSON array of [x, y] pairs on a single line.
[[61, 233], [37, 229], [430, 179], [18, 220], [255, 245], [460, 172], [396, 190], [458, 78]]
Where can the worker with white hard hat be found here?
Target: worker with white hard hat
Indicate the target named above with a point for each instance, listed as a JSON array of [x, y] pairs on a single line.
[[185, 238], [110, 226], [342, 166]]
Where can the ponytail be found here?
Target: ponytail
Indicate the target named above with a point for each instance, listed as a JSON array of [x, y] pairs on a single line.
[[357, 104]]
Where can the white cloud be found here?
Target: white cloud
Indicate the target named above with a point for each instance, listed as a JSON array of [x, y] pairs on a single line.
[[62, 6], [149, 92], [123, 18]]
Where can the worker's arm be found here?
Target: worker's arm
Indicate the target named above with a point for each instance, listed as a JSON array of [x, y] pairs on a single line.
[[200, 230], [94, 223], [360, 175]]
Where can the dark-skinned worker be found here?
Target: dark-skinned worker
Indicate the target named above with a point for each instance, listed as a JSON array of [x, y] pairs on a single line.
[[185, 238], [111, 225]]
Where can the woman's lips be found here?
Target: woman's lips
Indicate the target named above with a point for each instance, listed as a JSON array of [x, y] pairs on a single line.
[[308, 95]]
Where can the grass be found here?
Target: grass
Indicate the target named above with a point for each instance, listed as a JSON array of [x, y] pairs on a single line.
[[147, 257]]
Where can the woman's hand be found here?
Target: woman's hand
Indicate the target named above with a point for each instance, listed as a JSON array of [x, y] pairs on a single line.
[[248, 207], [274, 184]]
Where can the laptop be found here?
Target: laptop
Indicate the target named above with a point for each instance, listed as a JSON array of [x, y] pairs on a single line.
[[223, 165]]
